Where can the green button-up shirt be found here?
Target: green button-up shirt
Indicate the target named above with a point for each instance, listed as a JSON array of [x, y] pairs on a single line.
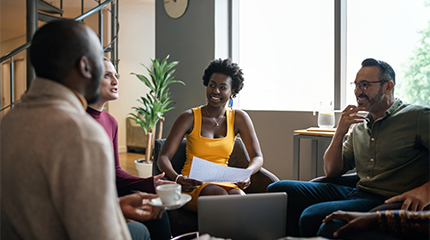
[[390, 154]]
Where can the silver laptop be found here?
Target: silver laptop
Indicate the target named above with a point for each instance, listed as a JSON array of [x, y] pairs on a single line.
[[258, 216]]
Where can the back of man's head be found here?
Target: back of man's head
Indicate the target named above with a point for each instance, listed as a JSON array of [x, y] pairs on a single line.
[[57, 47]]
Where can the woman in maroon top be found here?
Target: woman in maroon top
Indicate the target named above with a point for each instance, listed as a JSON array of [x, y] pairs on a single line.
[[125, 182]]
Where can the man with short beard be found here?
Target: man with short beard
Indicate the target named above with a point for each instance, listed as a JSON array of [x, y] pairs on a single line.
[[389, 147]]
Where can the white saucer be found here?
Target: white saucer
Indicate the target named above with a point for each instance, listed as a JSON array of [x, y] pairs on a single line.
[[156, 202]]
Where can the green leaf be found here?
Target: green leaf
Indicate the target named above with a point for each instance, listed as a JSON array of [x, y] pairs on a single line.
[[157, 102], [415, 85]]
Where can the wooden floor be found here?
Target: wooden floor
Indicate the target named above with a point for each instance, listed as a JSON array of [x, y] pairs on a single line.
[[126, 160]]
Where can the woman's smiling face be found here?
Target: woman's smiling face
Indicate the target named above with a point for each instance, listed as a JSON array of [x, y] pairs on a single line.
[[219, 90]]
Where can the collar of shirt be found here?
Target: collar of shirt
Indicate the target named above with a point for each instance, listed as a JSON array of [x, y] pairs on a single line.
[[81, 99], [388, 112]]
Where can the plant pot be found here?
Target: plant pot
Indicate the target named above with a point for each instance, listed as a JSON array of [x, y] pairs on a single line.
[[144, 169]]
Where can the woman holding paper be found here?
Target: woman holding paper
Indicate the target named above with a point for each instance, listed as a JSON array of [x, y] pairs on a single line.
[[210, 132]]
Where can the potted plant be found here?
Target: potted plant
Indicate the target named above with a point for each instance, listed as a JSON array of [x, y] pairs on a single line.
[[156, 103]]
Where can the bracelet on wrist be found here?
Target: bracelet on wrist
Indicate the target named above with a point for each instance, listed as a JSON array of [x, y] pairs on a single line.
[[177, 177]]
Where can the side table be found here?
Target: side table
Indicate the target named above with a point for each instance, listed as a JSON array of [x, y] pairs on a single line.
[[320, 141]]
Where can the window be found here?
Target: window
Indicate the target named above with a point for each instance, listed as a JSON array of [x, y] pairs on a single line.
[[286, 49], [286, 53], [390, 31]]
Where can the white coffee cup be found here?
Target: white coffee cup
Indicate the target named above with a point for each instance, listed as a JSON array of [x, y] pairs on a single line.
[[169, 194]]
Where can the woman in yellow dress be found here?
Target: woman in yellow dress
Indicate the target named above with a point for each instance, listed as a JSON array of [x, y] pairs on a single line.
[[210, 132]]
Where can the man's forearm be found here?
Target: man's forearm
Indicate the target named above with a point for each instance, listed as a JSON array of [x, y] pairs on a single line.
[[333, 161]]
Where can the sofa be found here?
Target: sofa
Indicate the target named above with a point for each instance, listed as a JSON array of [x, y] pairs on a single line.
[[183, 221], [135, 137]]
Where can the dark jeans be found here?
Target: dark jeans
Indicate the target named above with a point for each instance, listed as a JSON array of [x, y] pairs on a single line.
[[309, 203]]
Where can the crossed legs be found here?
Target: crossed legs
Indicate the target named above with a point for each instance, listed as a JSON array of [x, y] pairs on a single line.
[[309, 203]]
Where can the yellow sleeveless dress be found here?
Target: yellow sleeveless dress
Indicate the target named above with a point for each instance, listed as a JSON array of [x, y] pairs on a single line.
[[216, 150]]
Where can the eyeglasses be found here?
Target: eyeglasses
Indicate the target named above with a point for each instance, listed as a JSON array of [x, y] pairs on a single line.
[[364, 85]]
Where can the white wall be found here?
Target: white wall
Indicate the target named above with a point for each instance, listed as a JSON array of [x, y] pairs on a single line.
[[136, 45]]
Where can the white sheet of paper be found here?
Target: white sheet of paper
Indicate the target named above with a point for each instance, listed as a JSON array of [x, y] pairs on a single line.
[[206, 171]]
